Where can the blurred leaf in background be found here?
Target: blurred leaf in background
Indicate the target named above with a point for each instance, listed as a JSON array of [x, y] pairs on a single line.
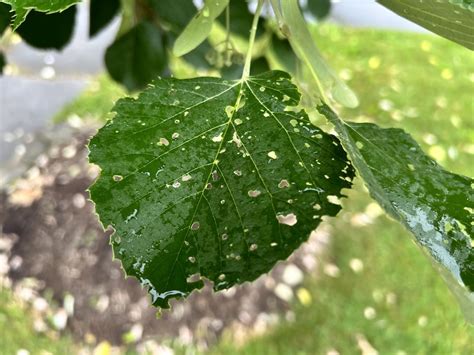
[[101, 12], [48, 31]]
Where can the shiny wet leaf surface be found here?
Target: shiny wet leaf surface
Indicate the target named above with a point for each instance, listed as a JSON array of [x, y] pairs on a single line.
[[451, 19], [212, 178], [435, 205]]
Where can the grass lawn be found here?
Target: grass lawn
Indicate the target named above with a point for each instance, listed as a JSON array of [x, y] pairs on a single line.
[[17, 331], [397, 304]]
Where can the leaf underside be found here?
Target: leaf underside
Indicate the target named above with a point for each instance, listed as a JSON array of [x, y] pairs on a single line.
[[451, 19], [212, 178], [435, 205]]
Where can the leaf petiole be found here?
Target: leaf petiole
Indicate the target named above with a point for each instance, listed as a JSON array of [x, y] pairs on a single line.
[[253, 31]]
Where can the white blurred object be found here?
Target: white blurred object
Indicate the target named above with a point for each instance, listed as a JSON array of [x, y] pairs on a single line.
[[368, 13], [82, 55]]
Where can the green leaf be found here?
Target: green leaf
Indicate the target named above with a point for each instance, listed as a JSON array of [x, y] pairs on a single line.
[[216, 179], [451, 19], [48, 31], [199, 27], [137, 57], [259, 65], [240, 19], [435, 205], [284, 54], [303, 44], [197, 57], [5, 17], [3, 62], [319, 8], [23, 7], [101, 12], [176, 13]]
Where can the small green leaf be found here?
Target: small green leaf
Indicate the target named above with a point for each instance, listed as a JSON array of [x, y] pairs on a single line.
[[303, 44], [451, 19], [48, 31], [198, 56], [137, 57], [216, 179], [240, 19], [283, 53], [101, 12], [259, 65], [435, 205], [176, 13], [199, 28], [23, 7], [319, 8]]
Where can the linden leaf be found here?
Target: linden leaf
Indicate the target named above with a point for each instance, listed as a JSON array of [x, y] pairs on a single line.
[[435, 205], [451, 19], [212, 178], [22, 7], [137, 56], [199, 28], [101, 12]]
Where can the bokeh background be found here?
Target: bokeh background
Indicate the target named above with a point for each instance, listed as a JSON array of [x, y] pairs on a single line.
[[358, 286]]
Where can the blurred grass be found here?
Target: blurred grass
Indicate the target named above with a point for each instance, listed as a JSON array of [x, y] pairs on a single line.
[[417, 82], [17, 332], [95, 102], [421, 83]]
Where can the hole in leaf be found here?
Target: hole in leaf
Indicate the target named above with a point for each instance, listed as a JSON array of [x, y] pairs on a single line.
[[334, 199], [288, 219], [193, 278], [253, 247], [254, 193], [283, 184], [272, 154], [164, 141]]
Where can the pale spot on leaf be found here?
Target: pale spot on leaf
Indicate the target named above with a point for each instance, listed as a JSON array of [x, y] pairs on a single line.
[[272, 154], [254, 193], [288, 219]]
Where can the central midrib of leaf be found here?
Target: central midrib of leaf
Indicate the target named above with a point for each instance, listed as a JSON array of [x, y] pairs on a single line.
[[226, 135], [213, 165], [224, 194]]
